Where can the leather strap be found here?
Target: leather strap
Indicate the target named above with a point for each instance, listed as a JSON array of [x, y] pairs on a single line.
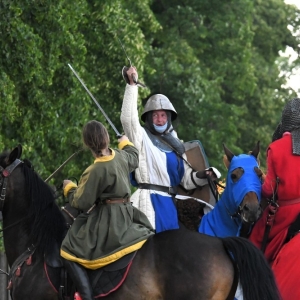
[[272, 207], [288, 202], [117, 200], [167, 189]]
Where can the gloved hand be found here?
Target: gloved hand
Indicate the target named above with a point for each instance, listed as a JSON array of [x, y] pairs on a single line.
[[65, 182], [212, 172], [130, 75]]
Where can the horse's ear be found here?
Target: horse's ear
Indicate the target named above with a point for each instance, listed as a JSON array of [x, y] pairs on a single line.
[[226, 162], [19, 150], [228, 153], [256, 150], [14, 154]]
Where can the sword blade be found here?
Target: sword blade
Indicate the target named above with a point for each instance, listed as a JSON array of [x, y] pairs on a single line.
[[96, 102], [133, 76], [60, 167], [125, 52]]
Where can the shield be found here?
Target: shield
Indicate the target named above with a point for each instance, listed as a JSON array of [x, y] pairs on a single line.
[[197, 158]]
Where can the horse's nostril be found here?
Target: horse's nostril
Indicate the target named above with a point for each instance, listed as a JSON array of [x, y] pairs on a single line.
[[246, 208]]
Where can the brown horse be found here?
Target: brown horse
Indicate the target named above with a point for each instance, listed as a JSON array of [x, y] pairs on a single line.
[[239, 205], [176, 264]]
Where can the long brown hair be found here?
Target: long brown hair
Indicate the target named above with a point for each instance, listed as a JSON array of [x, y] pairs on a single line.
[[95, 137]]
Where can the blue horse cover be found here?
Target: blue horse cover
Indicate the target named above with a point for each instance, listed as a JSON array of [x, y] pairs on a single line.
[[219, 222]]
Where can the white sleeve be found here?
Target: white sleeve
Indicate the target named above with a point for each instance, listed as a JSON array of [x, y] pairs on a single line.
[[129, 116]]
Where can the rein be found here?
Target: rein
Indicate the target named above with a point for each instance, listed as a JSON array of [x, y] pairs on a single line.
[[239, 209], [5, 173], [235, 214], [273, 207], [12, 225]]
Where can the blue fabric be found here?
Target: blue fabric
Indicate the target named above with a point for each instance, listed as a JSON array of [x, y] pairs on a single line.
[[164, 207], [132, 179], [175, 168], [218, 222], [160, 129], [165, 213]]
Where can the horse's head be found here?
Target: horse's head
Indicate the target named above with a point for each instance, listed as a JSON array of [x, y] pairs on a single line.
[[9, 161], [7, 158], [28, 206], [243, 185]]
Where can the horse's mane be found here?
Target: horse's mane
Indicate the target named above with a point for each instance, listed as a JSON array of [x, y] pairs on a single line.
[[46, 222]]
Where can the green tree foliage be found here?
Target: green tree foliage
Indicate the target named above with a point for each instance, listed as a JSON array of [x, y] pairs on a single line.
[[221, 71], [218, 62], [38, 38], [45, 105]]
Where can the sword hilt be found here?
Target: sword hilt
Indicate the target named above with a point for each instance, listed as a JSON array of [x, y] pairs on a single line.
[[126, 78], [133, 78]]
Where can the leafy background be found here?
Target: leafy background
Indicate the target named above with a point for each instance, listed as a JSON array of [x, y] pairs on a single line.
[[217, 61]]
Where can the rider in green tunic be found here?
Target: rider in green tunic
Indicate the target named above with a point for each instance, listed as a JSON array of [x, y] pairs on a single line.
[[109, 227]]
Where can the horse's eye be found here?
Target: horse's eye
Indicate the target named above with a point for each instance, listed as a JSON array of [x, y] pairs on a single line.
[[236, 174], [258, 171], [233, 177]]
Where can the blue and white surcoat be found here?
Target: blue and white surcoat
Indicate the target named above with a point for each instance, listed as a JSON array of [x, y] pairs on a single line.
[[156, 166]]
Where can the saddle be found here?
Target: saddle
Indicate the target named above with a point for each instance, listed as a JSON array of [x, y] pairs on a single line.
[[104, 280], [109, 278]]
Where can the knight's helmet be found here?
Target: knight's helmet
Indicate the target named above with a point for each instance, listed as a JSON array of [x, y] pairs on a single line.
[[290, 121], [159, 102]]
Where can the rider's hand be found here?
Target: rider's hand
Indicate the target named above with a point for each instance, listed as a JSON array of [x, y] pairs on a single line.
[[65, 182], [132, 73], [212, 172], [123, 138]]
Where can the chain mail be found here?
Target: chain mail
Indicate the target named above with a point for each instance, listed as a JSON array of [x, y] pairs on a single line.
[[290, 121]]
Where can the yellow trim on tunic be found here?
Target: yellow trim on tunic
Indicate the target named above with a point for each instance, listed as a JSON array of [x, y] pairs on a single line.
[[68, 187], [124, 144], [101, 262], [72, 185], [106, 158]]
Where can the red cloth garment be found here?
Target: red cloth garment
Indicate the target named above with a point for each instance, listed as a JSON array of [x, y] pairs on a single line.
[[283, 164], [286, 270]]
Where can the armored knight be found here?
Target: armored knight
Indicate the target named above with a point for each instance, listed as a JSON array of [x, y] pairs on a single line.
[[163, 163], [281, 185]]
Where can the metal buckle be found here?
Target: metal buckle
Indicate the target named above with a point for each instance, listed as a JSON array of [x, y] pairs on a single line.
[[172, 190]]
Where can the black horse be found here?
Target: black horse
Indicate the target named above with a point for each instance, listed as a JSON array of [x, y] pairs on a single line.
[[176, 264]]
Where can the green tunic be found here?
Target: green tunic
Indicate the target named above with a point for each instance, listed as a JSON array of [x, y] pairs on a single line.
[[110, 231]]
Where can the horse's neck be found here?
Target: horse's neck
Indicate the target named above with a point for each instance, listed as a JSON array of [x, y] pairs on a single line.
[[225, 204], [15, 239], [220, 218]]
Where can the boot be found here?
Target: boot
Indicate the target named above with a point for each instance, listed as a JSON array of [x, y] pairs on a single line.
[[80, 278]]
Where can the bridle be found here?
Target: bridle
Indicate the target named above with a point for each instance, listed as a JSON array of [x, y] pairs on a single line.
[[5, 173]]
